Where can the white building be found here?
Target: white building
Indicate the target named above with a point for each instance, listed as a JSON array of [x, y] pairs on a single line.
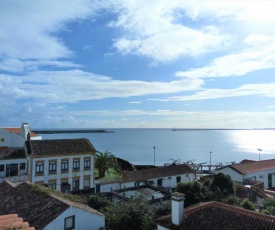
[[46, 209], [16, 137], [63, 164], [13, 165], [167, 177], [263, 171]]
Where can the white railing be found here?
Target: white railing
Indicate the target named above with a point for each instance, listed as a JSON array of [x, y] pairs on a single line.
[[21, 178]]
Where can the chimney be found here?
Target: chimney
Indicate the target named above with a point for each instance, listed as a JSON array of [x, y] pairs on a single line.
[[177, 208]]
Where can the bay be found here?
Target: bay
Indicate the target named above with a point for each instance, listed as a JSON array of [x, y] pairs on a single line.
[[137, 145]]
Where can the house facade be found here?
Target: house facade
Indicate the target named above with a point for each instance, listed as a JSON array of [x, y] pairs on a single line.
[[13, 165], [16, 137], [167, 177], [45, 209], [263, 171], [66, 165]]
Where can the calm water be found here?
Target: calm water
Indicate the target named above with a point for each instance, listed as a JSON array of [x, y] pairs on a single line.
[[137, 145]]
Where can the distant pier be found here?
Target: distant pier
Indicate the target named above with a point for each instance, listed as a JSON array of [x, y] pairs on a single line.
[[72, 131]]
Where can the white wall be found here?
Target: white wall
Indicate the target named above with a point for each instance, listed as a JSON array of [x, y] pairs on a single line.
[[161, 228], [257, 176], [262, 176], [59, 175], [14, 161], [84, 220], [9, 139], [235, 176], [167, 182]]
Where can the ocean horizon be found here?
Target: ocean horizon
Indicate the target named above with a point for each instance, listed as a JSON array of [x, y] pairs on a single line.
[[149, 146]]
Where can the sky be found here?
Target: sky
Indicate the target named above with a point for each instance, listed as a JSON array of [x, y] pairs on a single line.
[[137, 64]]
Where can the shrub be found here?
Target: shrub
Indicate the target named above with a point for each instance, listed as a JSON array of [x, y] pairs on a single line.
[[248, 205]]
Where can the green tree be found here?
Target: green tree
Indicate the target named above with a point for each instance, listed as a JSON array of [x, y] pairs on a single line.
[[269, 205], [232, 200], [223, 184], [98, 202], [191, 190], [137, 213], [103, 161], [248, 205]]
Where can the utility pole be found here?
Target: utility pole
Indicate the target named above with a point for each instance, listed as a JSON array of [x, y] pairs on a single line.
[[259, 153], [154, 155], [210, 162]]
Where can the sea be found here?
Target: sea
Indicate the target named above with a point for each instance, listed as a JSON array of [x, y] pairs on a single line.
[[165, 146]]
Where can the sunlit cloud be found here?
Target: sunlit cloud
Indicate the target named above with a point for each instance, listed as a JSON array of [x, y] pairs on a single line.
[[265, 90]]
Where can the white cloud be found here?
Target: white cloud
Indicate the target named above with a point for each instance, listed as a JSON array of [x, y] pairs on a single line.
[[16, 65], [27, 27], [155, 31], [265, 90], [259, 53], [75, 85]]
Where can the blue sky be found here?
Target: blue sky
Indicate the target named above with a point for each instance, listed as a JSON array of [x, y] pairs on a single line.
[[137, 64]]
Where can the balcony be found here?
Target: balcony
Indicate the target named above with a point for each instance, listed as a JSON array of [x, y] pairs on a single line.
[[15, 179]]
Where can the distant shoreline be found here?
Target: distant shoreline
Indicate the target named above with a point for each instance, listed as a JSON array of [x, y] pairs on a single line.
[[72, 131], [209, 129]]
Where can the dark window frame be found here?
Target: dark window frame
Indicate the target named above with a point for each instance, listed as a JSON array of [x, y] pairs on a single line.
[[87, 163], [76, 164], [70, 227], [2, 168], [39, 167], [52, 167], [22, 166], [64, 165]]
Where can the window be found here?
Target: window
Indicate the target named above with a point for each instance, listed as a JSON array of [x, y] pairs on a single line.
[[52, 184], [39, 167], [86, 183], [178, 179], [22, 165], [2, 168], [87, 163], [159, 182], [76, 163], [64, 165], [76, 185], [69, 223], [52, 167]]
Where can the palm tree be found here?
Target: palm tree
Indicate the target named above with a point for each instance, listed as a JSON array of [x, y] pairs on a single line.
[[103, 161]]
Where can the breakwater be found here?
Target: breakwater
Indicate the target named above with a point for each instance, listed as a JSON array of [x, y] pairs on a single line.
[[72, 131]]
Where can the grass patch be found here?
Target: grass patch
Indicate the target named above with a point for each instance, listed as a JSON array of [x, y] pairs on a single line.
[[111, 173]]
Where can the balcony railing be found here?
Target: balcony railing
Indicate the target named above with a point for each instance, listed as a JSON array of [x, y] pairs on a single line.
[[20, 178]]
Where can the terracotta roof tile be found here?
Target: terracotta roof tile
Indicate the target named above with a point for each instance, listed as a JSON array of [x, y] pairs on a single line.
[[13, 222], [60, 146], [147, 174], [36, 204], [17, 131], [215, 215], [253, 166]]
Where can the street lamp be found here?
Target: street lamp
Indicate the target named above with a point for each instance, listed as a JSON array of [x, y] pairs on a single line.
[[154, 155], [259, 153], [210, 162]]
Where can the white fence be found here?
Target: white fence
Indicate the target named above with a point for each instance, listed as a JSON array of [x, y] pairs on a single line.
[[21, 178]]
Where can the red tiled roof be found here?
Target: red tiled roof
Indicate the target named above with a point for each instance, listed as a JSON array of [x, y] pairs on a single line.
[[215, 215], [253, 166], [17, 131], [60, 146], [147, 174], [13, 222]]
